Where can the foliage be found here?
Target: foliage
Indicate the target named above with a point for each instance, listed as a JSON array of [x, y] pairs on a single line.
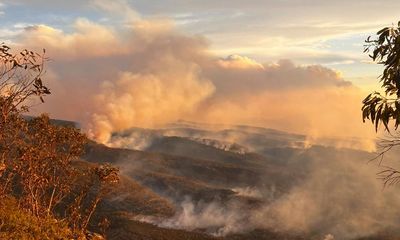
[[37, 165], [92, 185], [15, 223], [20, 78], [385, 108], [379, 107]]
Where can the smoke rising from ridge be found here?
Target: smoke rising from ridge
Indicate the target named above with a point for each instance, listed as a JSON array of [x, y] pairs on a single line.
[[340, 198], [148, 73], [336, 195]]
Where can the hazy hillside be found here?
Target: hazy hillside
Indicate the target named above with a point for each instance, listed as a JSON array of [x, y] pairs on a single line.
[[280, 191]]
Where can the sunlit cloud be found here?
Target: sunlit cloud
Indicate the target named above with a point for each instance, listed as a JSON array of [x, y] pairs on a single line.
[[150, 73], [239, 62], [135, 67], [264, 30]]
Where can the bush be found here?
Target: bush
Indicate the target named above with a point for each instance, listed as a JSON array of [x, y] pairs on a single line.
[[37, 172], [17, 223]]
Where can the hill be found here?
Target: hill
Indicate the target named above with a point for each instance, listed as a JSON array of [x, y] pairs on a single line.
[[269, 186]]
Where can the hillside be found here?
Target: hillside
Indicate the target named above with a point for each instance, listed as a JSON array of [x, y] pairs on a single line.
[[199, 190]]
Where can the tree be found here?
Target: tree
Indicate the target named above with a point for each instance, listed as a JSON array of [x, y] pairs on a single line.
[[20, 80], [384, 108], [38, 164]]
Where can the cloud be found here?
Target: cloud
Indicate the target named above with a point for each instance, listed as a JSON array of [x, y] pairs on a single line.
[[283, 75], [148, 99], [148, 73], [120, 7], [235, 27], [7, 33], [312, 100], [110, 82], [2, 6], [239, 62], [344, 62], [88, 40]]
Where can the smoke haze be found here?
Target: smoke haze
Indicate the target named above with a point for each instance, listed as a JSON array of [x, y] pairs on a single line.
[[148, 73], [339, 198]]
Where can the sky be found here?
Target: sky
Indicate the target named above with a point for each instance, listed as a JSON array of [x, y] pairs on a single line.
[[293, 65], [330, 33]]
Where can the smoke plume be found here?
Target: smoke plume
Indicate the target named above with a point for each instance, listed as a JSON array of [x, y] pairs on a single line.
[[147, 73], [340, 198]]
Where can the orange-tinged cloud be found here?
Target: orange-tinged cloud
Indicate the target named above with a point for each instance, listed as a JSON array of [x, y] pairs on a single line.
[[88, 40], [329, 113], [239, 62], [150, 74]]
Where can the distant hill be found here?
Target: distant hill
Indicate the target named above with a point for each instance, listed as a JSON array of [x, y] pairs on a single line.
[[187, 181], [59, 122]]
